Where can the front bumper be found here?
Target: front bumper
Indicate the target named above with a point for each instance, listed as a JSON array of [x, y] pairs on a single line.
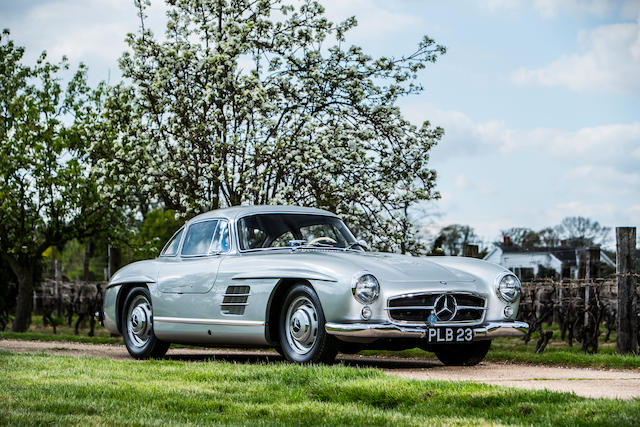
[[487, 331]]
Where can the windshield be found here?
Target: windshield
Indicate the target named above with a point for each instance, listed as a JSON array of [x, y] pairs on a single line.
[[284, 230]]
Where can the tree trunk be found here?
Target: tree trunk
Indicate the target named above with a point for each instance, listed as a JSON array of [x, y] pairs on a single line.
[[24, 272]]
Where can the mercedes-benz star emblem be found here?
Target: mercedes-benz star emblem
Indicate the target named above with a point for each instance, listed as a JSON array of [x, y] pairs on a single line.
[[445, 307]]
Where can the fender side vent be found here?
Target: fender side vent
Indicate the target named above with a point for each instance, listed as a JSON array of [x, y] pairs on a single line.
[[235, 300]]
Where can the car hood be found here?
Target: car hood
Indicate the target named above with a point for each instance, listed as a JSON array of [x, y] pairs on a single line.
[[388, 268]]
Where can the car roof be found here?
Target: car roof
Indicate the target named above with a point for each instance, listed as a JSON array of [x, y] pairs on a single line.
[[235, 212]]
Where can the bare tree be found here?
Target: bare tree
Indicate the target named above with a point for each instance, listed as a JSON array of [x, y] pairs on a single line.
[[522, 236], [452, 239], [580, 231]]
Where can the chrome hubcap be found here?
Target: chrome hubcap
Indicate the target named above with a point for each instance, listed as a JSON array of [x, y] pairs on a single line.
[[302, 325], [139, 324]]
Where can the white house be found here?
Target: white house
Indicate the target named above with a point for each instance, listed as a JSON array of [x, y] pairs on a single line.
[[526, 262]]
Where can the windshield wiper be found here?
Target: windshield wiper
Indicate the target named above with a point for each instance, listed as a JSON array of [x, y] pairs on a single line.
[[354, 244]]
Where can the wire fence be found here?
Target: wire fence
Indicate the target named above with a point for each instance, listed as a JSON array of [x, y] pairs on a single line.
[[69, 300], [583, 310]]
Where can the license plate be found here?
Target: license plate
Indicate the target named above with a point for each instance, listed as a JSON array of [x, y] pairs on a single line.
[[443, 335]]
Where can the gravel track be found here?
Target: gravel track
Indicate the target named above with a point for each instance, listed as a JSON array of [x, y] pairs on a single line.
[[595, 383]]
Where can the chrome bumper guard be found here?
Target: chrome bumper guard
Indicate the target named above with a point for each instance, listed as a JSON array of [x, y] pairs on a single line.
[[486, 331]]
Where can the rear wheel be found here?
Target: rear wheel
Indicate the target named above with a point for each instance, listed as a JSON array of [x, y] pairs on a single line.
[[137, 326], [462, 354], [303, 338]]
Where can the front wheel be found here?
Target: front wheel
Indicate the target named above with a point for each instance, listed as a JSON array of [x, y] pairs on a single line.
[[462, 354], [137, 326], [303, 338]]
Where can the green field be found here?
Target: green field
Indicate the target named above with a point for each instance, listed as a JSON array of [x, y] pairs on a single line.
[[46, 389]]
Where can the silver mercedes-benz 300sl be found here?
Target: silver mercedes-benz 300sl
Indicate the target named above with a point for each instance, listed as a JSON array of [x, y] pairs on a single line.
[[296, 279]]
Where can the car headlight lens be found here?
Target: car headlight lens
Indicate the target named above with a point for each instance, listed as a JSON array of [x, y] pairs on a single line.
[[365, 288], [508, 287]]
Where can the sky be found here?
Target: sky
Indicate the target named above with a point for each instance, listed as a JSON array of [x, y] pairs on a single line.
[[539, 99]]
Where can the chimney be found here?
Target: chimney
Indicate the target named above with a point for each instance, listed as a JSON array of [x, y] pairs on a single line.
[[506, 240]]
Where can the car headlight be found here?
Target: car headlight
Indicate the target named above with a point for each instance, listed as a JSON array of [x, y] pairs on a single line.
[[365, 287], [508, 287]]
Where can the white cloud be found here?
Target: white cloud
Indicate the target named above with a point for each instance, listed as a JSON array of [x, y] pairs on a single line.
[[496, 5], [580, 208], [481, 186], [633, 213], [552, 173], [595, 180], [549, 9], [91, 31], [609, 61], [375, 19], [553, 8], [617, 145]]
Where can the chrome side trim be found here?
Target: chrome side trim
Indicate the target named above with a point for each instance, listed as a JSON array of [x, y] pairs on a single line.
[[487, 331], [209, 321]]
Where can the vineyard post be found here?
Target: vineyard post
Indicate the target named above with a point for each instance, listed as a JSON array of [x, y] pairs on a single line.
[[627, 334], [470, 250], [592, 271]]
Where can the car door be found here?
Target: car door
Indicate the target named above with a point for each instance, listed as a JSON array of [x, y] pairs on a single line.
[[195, 269]]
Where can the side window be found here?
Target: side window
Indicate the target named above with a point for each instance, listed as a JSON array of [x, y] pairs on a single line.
[[253, 238], [198, 238], [220, 242], [171, 248]]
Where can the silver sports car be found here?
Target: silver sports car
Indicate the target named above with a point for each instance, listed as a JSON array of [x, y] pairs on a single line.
[[296, 279]]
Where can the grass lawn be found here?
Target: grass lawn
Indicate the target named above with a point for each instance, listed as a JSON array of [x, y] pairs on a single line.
[[46, 389]]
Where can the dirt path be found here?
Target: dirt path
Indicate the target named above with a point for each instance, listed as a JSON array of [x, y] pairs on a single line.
[[622, 384]]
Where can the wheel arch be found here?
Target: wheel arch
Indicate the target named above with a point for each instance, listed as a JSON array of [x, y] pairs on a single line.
[[272, 333], [124, 290]]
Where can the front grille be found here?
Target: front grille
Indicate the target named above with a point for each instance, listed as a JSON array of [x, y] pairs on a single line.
[[235, 299], [418, 307]]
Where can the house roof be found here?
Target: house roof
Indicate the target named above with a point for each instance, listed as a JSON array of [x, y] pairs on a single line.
[[566, 255]]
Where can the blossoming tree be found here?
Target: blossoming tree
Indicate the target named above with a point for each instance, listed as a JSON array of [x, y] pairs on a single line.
[[262, 101]]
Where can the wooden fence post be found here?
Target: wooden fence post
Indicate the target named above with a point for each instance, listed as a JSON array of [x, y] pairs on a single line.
[[592, 271], [627, 332], [470, 250]]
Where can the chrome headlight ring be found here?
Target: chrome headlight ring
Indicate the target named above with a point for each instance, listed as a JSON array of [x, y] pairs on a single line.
[[508, 287], [365, 287]]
